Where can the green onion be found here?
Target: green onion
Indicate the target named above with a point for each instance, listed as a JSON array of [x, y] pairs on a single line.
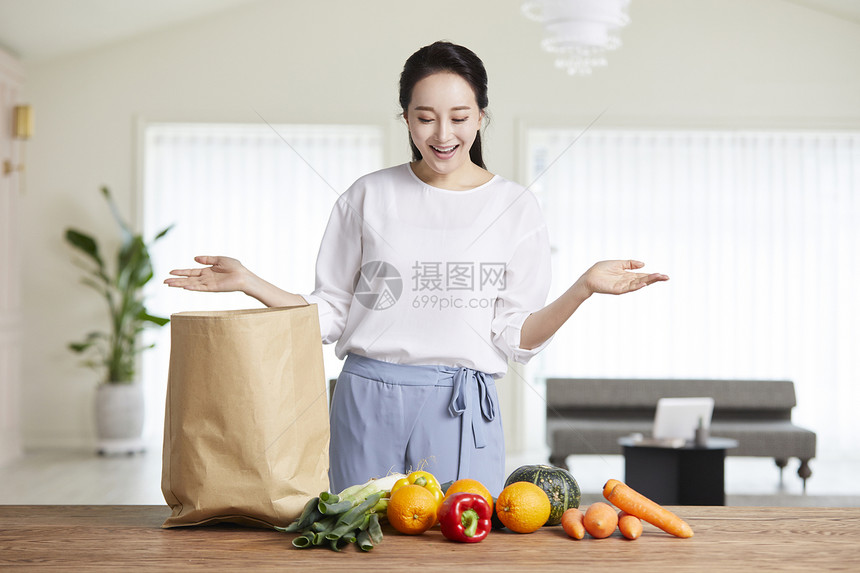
[[308, 516], [351, 516], [365, 543], [374, 529]]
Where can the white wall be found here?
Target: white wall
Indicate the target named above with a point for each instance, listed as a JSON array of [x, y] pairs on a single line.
[[697, 63], [11, 78]]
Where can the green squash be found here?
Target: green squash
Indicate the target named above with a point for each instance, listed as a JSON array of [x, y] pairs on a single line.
[[560, 487]]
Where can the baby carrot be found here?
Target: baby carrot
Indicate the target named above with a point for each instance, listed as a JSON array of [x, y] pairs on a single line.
[[626, 498], [571, 522], [600, 520], [630, 526]]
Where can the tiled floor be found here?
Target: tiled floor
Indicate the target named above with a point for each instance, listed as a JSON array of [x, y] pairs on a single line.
[[75, 477], [69, 477]]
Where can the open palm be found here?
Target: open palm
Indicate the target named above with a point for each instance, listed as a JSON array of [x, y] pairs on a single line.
[[615, 277], [222, 275]]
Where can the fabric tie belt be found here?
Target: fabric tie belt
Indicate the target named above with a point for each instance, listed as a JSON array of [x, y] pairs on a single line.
[[469, 401]]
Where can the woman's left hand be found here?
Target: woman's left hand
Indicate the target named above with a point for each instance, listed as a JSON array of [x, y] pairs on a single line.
[[606, 277], [614, 277]]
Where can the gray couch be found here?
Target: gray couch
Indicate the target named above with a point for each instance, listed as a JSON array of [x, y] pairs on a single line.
[[588, 416]]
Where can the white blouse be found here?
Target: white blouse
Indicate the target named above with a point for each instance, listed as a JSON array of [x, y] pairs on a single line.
[[413, 274]]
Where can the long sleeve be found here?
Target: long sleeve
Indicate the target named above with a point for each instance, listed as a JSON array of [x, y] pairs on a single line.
[[450, 276], [338, 262], [527, 282]]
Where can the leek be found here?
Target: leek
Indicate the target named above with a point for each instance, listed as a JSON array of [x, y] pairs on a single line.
[[358, 493], [351, 516]]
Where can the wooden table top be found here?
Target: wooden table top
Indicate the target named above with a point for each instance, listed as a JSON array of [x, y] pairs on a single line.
[[726, 539]]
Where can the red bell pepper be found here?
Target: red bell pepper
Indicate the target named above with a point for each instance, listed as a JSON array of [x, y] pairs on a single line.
[[465, 517]]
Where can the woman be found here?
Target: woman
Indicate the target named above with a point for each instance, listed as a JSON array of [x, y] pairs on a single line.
[[430, 276]]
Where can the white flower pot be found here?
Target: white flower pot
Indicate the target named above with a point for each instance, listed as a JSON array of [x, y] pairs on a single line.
[[119, 411]]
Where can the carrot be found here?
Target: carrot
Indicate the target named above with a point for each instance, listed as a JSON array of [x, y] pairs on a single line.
[[607, 489], [626, 498], [630, 526], [571, 522], [600, 520]]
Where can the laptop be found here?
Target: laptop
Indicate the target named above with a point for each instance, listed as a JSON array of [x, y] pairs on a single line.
[[678, 418]]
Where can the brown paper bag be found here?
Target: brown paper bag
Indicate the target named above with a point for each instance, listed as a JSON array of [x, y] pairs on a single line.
[[246, 428]]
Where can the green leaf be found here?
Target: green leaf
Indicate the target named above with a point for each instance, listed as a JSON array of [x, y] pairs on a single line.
[[162, 233], [134, 264], [122, 290], [79, 346], [128, 259], [126, 232], [86, 244], [143, 276], [159, 320]]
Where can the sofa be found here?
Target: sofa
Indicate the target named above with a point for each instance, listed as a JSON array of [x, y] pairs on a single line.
[[588, 416]]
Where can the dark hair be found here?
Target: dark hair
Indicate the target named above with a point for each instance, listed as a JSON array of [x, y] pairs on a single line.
[[445, 57]]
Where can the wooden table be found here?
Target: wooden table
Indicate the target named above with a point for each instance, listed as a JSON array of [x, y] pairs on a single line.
[[117, 538]]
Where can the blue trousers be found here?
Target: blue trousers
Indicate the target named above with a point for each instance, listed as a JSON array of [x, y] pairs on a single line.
[[389, 417]]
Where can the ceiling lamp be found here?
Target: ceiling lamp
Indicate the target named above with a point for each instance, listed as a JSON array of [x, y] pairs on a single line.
[[579, 32]]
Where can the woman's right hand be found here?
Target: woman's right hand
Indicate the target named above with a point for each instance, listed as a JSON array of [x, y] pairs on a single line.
[[222, 275]]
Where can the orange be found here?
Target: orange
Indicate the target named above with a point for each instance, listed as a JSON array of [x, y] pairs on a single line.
[[523, 507], [412, 509], [467, 485], [600, 520]]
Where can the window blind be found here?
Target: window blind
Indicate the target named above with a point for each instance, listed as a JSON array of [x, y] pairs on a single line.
[[258, 193], [758, 232]]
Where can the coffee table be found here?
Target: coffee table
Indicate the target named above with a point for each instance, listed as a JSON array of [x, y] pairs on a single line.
[[685, 475]]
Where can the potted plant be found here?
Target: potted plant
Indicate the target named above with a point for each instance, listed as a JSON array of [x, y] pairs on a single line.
[[119, 396]]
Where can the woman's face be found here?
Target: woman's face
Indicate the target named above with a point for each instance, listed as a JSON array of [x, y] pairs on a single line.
[[443, 119]]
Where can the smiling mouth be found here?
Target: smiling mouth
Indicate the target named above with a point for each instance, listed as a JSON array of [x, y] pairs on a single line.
[[444, 151]]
